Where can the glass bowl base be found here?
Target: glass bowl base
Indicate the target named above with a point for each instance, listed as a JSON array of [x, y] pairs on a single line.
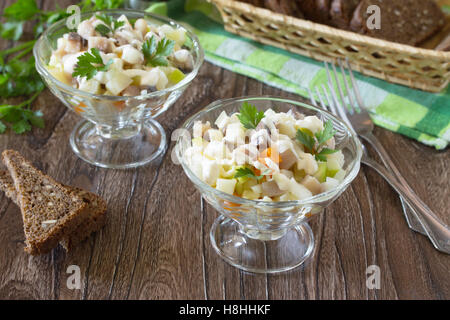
[[281, 254], [135, 150]]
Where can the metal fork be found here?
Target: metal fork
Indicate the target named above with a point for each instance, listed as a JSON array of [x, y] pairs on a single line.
[[419, 217]]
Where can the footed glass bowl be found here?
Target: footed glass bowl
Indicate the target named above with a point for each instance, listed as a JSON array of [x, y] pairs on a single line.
[[118, 132], [267, 237]]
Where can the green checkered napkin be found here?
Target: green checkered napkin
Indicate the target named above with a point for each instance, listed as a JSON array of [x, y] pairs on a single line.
[[419, 115]]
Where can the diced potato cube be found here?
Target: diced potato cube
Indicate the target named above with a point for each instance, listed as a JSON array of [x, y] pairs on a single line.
[[91, 86], [226, 185], [118, 82], [131, 55]]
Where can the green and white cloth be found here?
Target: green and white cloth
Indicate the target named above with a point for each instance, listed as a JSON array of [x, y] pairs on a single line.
[[417, 114]]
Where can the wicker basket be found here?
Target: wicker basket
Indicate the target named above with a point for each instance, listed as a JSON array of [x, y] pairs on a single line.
[[424, 69]]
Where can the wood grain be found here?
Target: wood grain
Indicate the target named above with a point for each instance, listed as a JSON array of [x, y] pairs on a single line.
[[156, 242]]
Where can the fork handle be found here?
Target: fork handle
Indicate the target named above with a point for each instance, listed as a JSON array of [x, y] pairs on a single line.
[[436, 230], [410, 215]]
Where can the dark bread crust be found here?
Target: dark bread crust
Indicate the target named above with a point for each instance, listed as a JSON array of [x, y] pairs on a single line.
[[403, 21], [96, 207], [286, 7], [341, 12], [96, 220], [43, 199], [316, 10]]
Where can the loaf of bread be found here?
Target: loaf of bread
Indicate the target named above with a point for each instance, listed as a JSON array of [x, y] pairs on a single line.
[[96, 207], [316, 10], [403, 21], [341, 13]]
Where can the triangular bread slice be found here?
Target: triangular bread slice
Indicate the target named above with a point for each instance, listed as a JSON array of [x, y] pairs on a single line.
[[50, 211], [96, 207]]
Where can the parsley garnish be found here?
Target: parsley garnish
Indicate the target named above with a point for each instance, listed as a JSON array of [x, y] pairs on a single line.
[[250, 116], [155, 53], [89, 63], [247, 173], [18, 76], [110, 25], [319, 139]]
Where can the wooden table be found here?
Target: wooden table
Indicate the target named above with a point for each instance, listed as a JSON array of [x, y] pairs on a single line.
[[156, 243]]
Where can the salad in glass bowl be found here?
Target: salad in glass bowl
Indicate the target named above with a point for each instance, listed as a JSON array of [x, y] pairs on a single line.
[[118, 69], [268, 165]]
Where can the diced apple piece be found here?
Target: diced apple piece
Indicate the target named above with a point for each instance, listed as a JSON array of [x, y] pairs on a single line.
[[91, 86], [321, 173], [175, 76], [298, 190], [248, 194], [226, 185], [118, 82], [335, 161], [281, 180], [257, 189]]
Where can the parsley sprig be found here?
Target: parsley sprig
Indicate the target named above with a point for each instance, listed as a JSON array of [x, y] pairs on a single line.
[[246, 172], [314, 143], [250, 116], [110, 25], [89, 63], [156, 52], [18, 75]]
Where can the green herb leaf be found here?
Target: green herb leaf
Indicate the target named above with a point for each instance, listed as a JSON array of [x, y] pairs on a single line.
[[321, 156], [11, 30], [110, 24], [21, 10], [21, 126], [306, 140], [326, 134], [2, 127], [247, 173], [250, 116], [89, 64], [155, 53], [102, 29]]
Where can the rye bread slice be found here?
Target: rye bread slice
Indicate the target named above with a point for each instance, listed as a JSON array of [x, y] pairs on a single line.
[[95, 205], [50, 211], [94, 222], [403, 21], [316, 10]]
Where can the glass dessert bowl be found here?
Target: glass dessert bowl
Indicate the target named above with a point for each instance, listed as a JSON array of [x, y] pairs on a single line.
[[118, 131], [267, 236]]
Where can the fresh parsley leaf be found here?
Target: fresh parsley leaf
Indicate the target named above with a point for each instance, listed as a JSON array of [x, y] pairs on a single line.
[[21, 10], [110, 25], [2, 127], [102, 29], [326, 134], [321, 156], [306, 140], [21, 126], [250, 116], [11, 30], [247, 173], [155, 53], [89, 63]]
